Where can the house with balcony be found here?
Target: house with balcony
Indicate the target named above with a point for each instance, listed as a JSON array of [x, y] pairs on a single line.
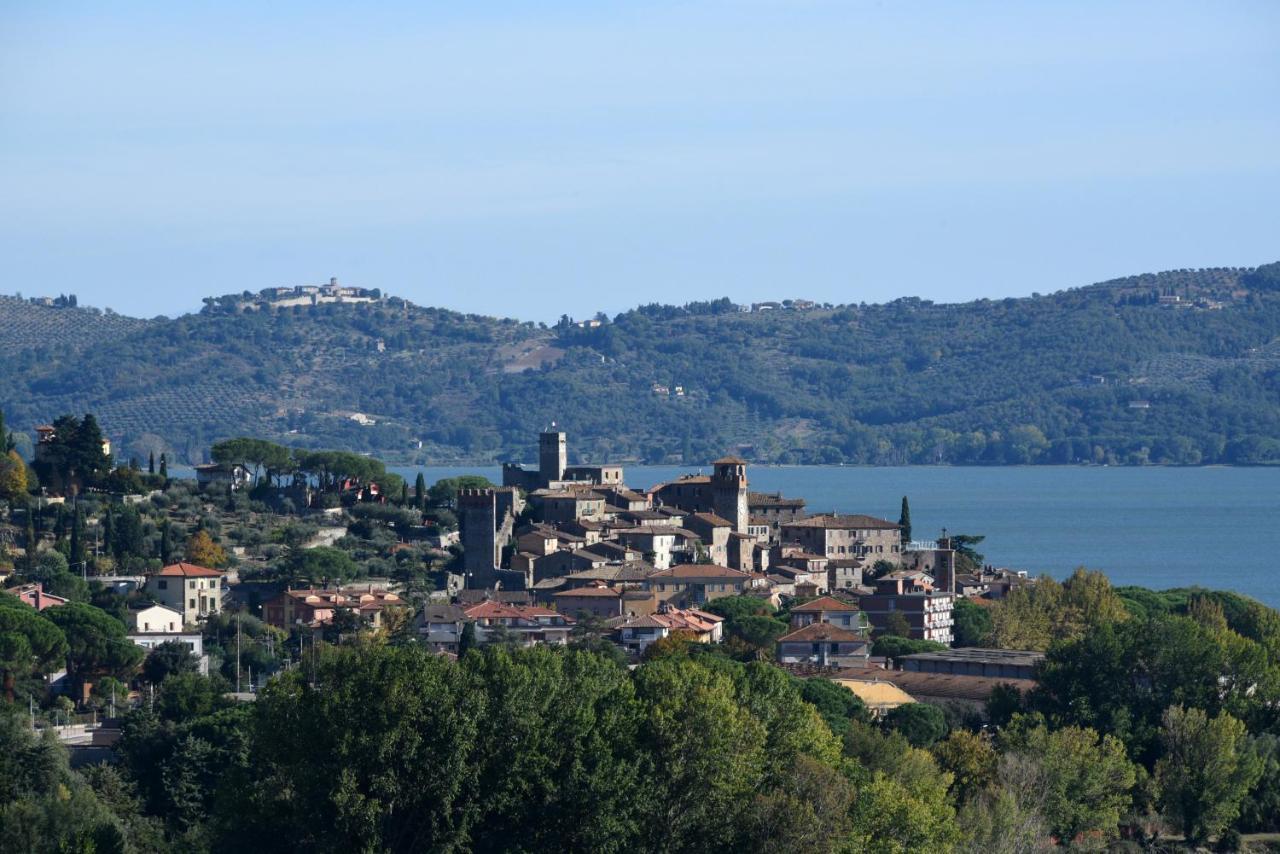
[[927, 610], [824, 644], [528, 624], [313, 607], [194, 591], [439, 626], [638, 633], [828, 609]]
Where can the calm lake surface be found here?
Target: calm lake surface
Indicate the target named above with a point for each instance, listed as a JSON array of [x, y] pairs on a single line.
[[1155, 527]]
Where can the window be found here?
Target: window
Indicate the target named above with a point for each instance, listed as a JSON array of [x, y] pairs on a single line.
[[163, 584], [191, 603]]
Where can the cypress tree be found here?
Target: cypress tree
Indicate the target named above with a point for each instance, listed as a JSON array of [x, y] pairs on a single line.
[[166, 544], [164, 467], [404, 493], [128, 533], [904, 521], [468, 639], [420, 491], [108, 532], [30, 542], [151, 463], [6, 439], [77, 537]]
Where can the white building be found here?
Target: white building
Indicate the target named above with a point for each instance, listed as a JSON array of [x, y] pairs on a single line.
[[157, 619], [192, 641], [235, 476], [194, 591]]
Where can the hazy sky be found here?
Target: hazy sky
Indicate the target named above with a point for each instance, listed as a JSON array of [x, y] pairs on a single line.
[[529, 159]]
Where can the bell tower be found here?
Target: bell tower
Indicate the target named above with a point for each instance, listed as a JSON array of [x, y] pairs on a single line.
[[729, 491]]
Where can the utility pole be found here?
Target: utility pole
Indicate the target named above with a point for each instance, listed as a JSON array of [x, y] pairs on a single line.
[[237, 652]]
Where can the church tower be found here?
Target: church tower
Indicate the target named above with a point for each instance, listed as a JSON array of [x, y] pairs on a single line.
[[729, 491]]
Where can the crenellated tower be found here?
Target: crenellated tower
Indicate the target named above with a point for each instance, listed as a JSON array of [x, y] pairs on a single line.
[[729, 491]]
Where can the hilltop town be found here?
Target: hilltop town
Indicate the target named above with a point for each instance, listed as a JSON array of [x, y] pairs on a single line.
[[254, 631]]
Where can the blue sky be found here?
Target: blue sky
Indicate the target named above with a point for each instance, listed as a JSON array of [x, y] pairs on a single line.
[[533, 159]]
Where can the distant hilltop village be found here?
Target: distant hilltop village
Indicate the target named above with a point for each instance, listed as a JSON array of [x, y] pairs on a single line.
[[297, 295]]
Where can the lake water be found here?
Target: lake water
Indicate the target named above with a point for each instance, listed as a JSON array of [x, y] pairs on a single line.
[[1155, 527]]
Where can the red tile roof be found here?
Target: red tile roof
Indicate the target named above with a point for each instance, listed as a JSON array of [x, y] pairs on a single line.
[[841, 522], [824, 603], [700, 570], [599, 592], [190, 570], [490, 609], [676, 619], [822, 632]]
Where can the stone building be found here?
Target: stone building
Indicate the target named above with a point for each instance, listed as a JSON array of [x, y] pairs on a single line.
[[487, 521], [771, 509], [554, 472], [844, 536], [724, 493], [696, 584], [714, 533]]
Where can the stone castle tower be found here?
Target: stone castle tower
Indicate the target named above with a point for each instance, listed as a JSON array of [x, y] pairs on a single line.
[[553, 456], [486, 522], [478, 524], [729, 491]]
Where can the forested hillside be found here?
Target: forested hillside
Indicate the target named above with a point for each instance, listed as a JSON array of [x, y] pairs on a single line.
[[1180, 367]]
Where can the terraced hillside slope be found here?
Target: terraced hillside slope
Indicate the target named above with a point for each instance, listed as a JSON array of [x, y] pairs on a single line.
[[26, 326], [1179, 367]]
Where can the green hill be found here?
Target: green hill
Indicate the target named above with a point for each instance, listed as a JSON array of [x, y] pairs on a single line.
[[1178, 367]]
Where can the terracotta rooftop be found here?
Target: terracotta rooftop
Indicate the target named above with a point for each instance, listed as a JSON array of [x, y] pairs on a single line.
[[821, 632], [824, 603], [713, 520], [730, 460], [490, 610], [687, 479], [700, 570], [841, 522], [593, 592], [190, 570], [676, 619]]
